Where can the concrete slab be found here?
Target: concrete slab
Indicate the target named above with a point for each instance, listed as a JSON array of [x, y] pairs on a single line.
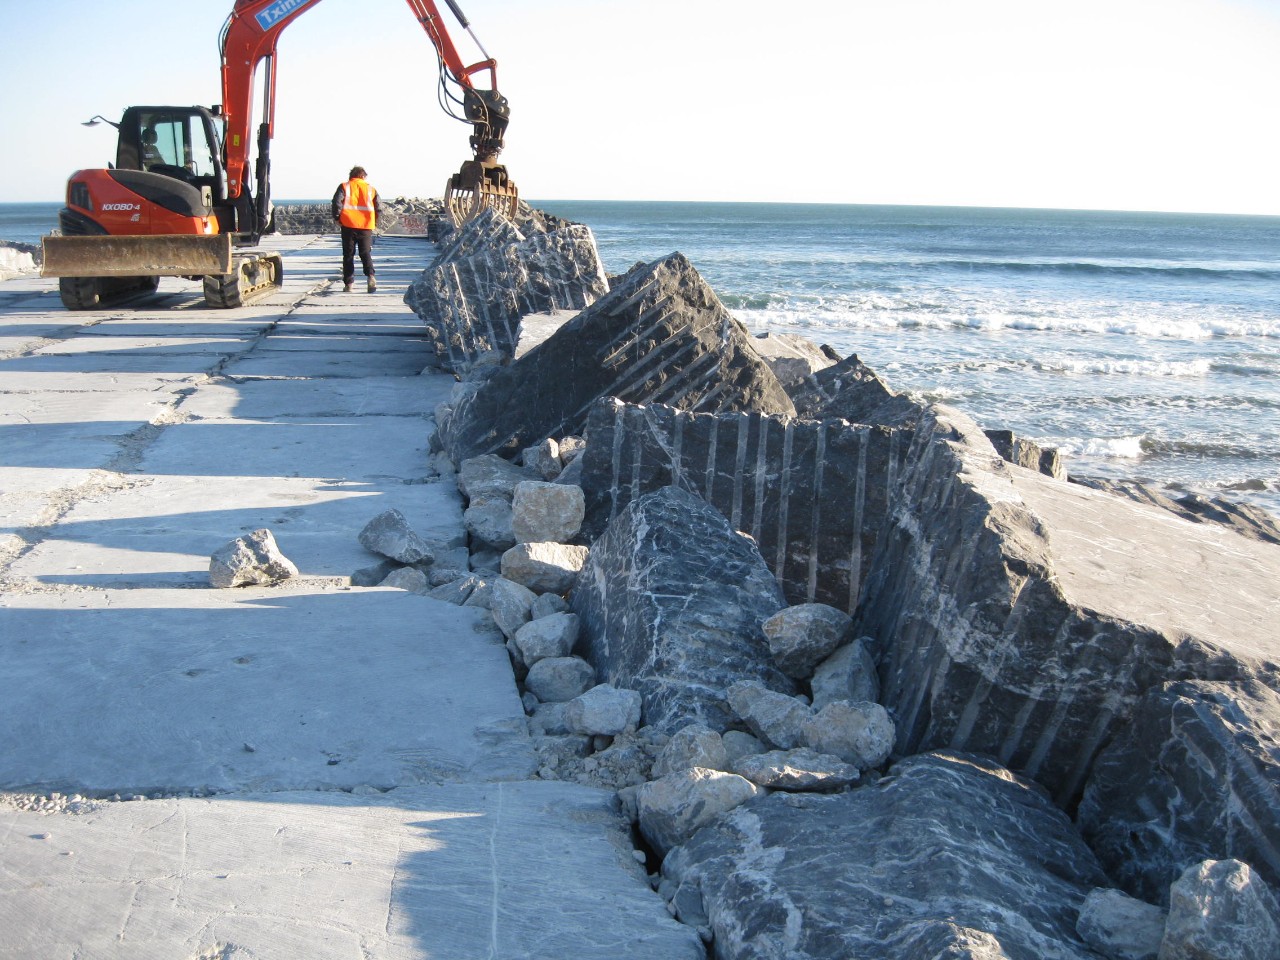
[[530, 870], [155, 345], [396, 344], [315, 484], [141, 691], [368, 396], [314, 363]]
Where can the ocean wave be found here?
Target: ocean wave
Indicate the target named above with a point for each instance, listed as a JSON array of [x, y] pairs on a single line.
[[1154, 269], [1106, 448], [1145, 368]]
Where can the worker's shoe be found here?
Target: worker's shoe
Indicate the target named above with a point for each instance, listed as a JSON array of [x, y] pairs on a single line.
[[346, 288], [373, 284]]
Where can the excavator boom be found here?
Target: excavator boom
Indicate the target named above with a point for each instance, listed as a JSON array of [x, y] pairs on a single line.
[[178, 194]]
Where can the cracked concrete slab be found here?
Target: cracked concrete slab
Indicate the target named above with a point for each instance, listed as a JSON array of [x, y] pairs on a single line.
[[533, 870]]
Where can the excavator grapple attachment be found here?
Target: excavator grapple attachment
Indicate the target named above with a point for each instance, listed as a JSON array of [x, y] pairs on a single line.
[[177, 255], [477, 186]]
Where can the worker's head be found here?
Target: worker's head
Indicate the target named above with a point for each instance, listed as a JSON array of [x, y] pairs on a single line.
[[357, 172]]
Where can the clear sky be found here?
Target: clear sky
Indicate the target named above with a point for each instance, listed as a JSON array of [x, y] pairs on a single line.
[[1107, 104]]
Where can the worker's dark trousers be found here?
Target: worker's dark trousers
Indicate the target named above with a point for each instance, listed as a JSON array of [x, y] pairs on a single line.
[[352, 240]]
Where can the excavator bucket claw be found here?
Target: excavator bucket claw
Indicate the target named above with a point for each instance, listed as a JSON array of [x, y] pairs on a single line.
[[477, 186]]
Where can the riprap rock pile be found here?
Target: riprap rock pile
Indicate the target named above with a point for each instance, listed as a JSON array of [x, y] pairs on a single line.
[[849, 660]]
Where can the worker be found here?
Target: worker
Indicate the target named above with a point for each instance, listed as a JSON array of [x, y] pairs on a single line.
[[355, 209]]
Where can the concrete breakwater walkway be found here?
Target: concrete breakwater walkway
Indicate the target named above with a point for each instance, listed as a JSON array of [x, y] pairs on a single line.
[[307, 770]]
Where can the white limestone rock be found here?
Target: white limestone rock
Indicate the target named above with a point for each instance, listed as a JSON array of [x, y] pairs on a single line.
[[604, 709], [802, 636], [775, 718], [546, 512], [696, 745], [406, 578], [543, 459], [552, 636], [859, 733], [673, 808], [1221, 909], [544, 567], [252, 560], [1119, 926], [738, 744], [489, 520], [390, 535], [510, 603], [799, 769], [848, 674], [559, 679]]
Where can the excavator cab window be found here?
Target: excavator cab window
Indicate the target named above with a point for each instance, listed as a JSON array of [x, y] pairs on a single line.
[[179, 142]]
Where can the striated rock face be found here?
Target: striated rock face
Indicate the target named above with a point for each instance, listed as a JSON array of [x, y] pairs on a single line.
[[812, 494], [661, 335], [671, 602], [852, 391], [948, 856], [490, 274], [1024, 618], [1195, 775], [1026, 453]]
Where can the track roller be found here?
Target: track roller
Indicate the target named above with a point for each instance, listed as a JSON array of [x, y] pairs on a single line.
[[252, 278]]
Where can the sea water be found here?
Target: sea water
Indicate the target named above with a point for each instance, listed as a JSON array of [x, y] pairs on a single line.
[[1144, 346]]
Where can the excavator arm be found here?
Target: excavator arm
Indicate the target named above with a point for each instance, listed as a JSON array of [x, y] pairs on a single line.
[[249, 40]]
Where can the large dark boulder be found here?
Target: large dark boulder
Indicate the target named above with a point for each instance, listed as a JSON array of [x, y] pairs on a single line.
[[1194, 776], [489, 274], [671, 602], [1024, 617], [948, 856], [812, 494], [661, 335], [852, 391]]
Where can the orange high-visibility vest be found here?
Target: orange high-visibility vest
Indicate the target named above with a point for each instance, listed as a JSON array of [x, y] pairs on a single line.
[[357, 207]]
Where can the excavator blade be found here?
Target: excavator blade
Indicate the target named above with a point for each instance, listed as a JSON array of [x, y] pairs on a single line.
[[177, 255], [475, 187]]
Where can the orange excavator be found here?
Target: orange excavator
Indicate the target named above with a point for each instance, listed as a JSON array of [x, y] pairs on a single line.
[[178, 197]]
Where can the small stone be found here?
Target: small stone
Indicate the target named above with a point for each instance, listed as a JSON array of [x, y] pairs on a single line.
[[693, 746], [802, 636], [389, 534], [543, 459], [254, 559], [457, 591], [560, 679], [510, 604], [489, 521], [773, 717], [552, 636], [799, 769], [738, 744], [374, 575], [1120, 927], [858, 733], [544, 567], [673, 808], [848, 674], [489, 475], [547, 512], [407, 578], [603, 709], [547, 604]]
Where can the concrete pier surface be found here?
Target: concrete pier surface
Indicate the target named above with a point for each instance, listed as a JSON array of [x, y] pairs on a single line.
[[311, 769]]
